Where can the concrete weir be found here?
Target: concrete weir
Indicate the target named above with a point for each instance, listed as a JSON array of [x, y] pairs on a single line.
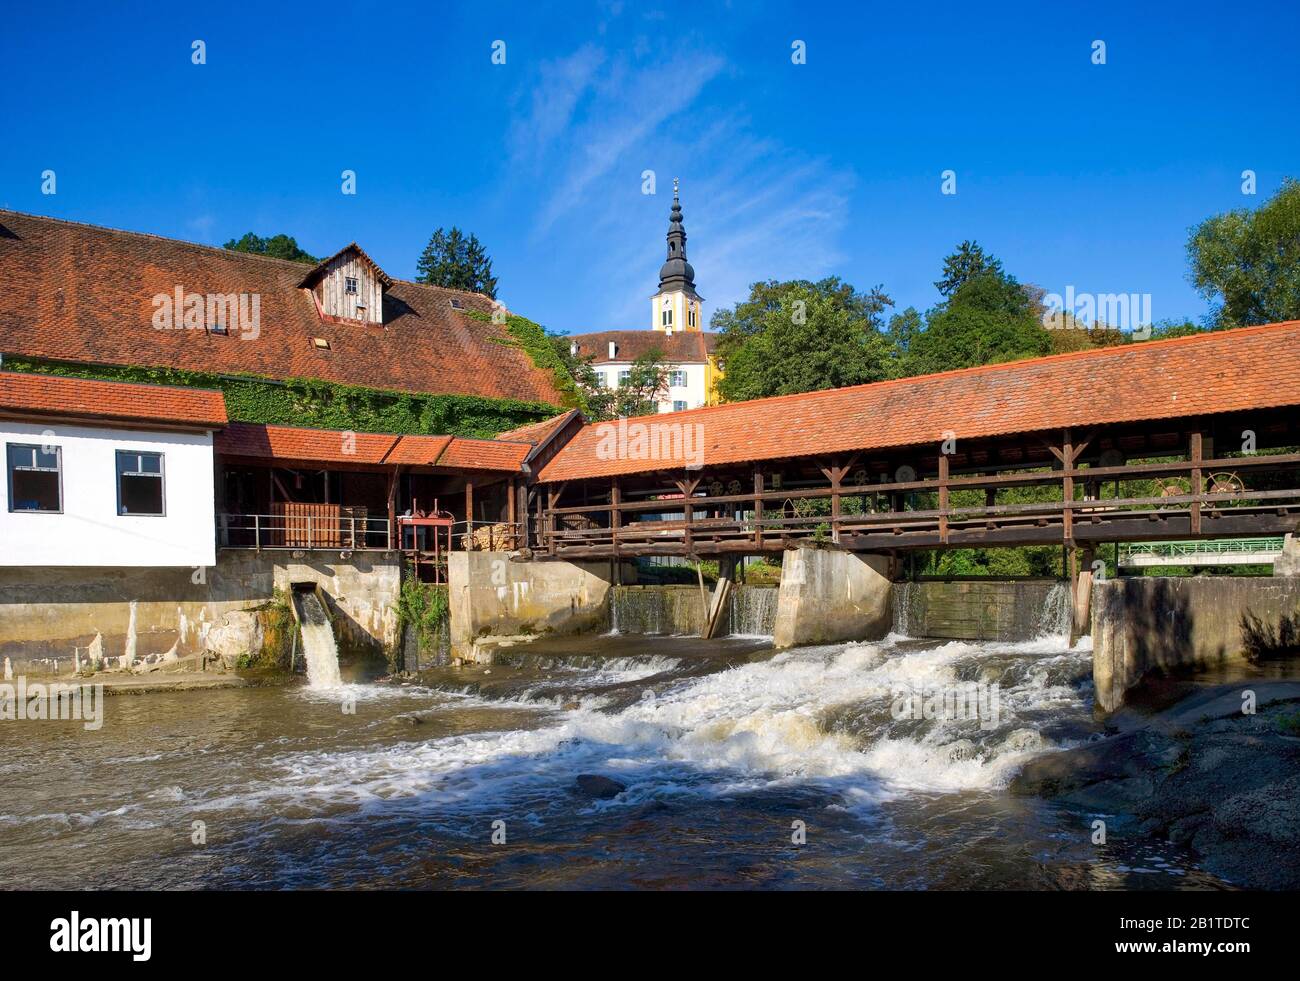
[[829, 596], [1153, 624], [492, 594]]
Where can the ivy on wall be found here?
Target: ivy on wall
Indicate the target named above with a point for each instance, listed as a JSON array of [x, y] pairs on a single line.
[[533, 340], [321, 404]]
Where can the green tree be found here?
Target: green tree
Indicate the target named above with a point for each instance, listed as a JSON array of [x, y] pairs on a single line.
[[456, 262], [969, 261], [801, 336], [277, 247], [1248, 262], [988, 318]]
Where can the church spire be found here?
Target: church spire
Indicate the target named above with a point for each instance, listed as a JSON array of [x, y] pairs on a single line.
[[676, 273]]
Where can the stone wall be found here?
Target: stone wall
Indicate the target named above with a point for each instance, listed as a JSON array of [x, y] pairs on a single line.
[[828, 596], [492, 594], [1157, 624], [981, 610], [46, 612]]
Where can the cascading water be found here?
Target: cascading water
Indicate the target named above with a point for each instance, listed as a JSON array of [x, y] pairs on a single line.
[[318, 646], [753, 611], [1054, 617]]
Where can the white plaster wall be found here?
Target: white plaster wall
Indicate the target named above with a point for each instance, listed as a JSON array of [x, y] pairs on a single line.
[[90, 532], [692, 393]]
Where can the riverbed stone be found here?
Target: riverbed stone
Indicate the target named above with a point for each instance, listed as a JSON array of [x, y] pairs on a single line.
[[602, 788]]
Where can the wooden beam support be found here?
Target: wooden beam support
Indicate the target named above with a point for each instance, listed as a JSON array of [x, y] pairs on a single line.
[[758, 506], [1198, 481], [943, 498]]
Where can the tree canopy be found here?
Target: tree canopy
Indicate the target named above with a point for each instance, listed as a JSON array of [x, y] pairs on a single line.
[[801, 336], [1248, 262], [456, 262], [637, 395], [277, 247]]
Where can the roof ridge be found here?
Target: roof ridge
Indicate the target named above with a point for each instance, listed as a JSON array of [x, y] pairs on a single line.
[[231, 253], [153, 386], [217, 249], [1110, 350]]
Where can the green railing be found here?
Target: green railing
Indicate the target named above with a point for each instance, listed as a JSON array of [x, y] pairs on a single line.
[[1228, 547]]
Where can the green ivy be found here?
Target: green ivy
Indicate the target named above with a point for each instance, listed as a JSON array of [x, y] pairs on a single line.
[[533, 340], [423, 607], [320, 404]]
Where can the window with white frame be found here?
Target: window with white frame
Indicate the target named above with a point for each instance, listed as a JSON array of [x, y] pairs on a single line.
[[677, 379], [679, 406], [690, 316], [624, 376], [35, 478], [140, 484], [350, 285]]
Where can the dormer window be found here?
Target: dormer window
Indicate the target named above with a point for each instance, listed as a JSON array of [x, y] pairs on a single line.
[[348, 285]]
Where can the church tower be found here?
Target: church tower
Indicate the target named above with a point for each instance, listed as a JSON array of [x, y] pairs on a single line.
[[676, 306]]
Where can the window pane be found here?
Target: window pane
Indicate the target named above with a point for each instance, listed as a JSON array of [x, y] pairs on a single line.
[[150, 463], [141, 495], [35, 490]]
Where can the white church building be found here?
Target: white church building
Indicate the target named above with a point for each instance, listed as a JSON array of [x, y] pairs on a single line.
[[676, 331]]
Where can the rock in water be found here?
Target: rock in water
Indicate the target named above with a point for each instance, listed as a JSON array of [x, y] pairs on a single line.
[[602, 788]]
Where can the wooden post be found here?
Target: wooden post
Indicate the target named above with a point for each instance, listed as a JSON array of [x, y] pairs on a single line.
[[836, 476], [511, 514], [1198, 482], [758, 506], [943, 497], [469, 515], [392, 505], [552, 496], [1067, 487], [615, 514], [687, 488]]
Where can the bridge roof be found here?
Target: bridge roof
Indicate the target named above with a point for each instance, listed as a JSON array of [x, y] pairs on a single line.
[[1224, 371], [257, 441]]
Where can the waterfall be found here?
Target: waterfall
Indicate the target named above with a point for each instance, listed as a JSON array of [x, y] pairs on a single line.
[[318, 645], [753, 611], [1054, 617], [904, 595]]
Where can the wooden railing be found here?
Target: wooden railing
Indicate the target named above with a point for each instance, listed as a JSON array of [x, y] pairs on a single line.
[[866, 515]]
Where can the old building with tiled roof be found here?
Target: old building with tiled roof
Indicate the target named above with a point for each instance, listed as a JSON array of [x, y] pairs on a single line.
[[91, 295], [676, 333]]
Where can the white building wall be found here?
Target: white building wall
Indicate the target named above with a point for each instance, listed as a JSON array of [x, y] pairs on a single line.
[[692, 393], [89, 531]]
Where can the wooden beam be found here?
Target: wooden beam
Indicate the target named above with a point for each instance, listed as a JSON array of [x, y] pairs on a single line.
[[758, 506], [469, 515], [615, 516], [1198, 482], [1067, 486], [943, 498]]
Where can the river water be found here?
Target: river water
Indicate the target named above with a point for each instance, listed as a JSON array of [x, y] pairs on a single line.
[[726, 749]]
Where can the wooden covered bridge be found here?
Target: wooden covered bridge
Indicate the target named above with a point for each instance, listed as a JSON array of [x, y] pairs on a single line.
[[1186, 438]]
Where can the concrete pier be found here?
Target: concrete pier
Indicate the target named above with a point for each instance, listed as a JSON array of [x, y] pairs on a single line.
[[1157, 624], [828, 596]]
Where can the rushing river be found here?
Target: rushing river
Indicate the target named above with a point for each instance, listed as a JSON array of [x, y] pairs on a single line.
[[722, 746]]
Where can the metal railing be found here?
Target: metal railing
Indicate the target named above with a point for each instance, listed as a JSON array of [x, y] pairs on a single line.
[[304, 530]]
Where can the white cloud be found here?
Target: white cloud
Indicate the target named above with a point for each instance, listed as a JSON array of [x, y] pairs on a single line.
[[754, 207]]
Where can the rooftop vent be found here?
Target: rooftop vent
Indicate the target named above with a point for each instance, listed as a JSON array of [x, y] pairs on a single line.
[[613, 350]]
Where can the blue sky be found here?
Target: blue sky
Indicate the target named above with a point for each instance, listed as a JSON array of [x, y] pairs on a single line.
[[1072, 173]]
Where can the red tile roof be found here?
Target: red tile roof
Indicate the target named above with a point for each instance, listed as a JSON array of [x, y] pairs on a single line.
[[81, 293], [258, 441], [485, 454], [123, 403], [680, 347], [1224, 371], [538, 432]]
